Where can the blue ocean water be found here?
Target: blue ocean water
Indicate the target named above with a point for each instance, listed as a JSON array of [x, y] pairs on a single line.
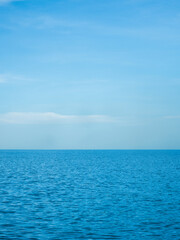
[[89, 194]]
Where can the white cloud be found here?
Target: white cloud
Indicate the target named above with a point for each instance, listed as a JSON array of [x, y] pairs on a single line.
[[41, 22], [4, 78], [50, 117], [8, 1]]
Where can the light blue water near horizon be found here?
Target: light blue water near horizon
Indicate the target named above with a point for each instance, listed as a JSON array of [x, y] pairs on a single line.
[[89, 194]]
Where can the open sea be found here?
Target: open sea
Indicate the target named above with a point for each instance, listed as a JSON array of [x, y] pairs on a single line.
[[89, 194]]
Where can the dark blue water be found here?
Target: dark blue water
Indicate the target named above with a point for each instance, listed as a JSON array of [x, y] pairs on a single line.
[[89, 195]]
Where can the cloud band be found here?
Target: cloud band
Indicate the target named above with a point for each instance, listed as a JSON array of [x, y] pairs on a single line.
[[49, 118]]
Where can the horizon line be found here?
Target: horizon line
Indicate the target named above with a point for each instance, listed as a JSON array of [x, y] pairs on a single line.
[[90, 149]]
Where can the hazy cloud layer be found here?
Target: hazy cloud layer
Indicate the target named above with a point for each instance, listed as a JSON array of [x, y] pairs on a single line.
[[173, 117], [49, 118], [156, 31], [2, 79]]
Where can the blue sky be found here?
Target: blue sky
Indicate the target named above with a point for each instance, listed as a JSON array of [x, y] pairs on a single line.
[[90, 74]]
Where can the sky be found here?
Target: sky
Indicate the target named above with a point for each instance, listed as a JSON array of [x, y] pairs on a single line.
[[89, 74]]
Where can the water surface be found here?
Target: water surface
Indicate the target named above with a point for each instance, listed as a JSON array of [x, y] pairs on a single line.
[[89, 195]]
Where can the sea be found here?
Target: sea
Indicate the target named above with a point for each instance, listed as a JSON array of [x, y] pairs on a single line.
[[90, 194]]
